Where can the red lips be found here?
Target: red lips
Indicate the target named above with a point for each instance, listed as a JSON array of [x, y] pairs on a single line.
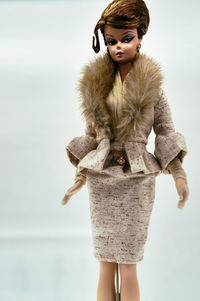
[[119, 53]]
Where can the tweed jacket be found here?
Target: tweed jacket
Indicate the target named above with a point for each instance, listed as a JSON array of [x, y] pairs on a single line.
[[145, 107]]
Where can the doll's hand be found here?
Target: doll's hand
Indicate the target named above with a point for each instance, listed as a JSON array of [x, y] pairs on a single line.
[[183, 191], [72, 190], [80, 180]]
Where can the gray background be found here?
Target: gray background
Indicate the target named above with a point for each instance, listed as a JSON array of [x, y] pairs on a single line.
[[46, 248]]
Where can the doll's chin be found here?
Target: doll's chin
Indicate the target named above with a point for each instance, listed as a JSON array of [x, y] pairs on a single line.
[[120, 60], [123, 60]]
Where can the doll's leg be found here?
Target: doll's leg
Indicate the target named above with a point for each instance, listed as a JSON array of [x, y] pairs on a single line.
[[106, 284], [129, 288]]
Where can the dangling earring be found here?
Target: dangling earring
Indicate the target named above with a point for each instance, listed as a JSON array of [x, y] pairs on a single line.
[[138, 48]]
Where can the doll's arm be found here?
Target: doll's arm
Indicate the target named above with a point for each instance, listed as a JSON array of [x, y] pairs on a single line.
[[170, 147], [180, 178], [74, 160], [77, 149], [169, 144], [79, 181], [175, 168]]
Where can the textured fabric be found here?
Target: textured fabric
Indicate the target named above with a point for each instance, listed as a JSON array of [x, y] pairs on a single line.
[[121, 201], [144, 106], [139, 158], [168, 143], [79, 147], [120, 206], [142, 87], [120, 209], [93, 151]]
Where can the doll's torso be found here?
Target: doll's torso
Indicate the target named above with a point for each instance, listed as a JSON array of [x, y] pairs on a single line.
[[120, 110], [116, 101]]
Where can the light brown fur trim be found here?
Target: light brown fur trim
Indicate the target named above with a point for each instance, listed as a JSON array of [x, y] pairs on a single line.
[[142, 86]]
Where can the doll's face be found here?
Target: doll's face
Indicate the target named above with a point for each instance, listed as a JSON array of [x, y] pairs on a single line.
[[124, 41]]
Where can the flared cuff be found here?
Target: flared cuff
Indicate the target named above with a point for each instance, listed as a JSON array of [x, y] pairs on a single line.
[[167, 147], [79, 147]]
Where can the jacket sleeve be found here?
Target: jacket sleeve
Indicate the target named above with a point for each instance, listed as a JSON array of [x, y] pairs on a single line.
[[169, 144], [80, 146]]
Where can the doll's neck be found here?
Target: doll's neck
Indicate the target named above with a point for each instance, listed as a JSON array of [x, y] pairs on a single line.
[[124, 68]]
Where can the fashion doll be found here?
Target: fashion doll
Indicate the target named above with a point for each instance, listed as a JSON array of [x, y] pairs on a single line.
[[122, 100]]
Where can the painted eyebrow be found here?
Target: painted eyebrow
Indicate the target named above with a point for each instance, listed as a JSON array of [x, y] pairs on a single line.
[[122, 34]]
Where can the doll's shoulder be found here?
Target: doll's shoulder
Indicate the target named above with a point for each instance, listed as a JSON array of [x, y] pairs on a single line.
[[162, 97]]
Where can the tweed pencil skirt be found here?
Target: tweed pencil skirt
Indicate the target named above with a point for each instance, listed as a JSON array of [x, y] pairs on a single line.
[[120, 208]]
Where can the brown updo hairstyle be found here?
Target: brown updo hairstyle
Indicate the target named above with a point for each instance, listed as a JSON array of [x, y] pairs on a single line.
[[123, 14]]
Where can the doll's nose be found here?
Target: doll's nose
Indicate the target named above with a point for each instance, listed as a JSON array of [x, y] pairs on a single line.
[[119, 46]]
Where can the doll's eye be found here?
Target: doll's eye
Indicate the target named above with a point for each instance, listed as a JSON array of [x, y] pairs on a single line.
[[127, 40], [111, 42]]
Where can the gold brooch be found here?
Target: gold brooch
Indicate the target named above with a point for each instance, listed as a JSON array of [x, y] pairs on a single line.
[[121, 160]]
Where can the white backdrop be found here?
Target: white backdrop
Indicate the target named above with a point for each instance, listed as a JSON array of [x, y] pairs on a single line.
[[46, 248]]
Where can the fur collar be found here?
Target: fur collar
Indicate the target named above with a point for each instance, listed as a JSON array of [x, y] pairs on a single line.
[[142, 85]]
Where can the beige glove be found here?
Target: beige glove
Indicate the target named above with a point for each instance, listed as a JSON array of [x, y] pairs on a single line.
[[79, 181], [180, 178]]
